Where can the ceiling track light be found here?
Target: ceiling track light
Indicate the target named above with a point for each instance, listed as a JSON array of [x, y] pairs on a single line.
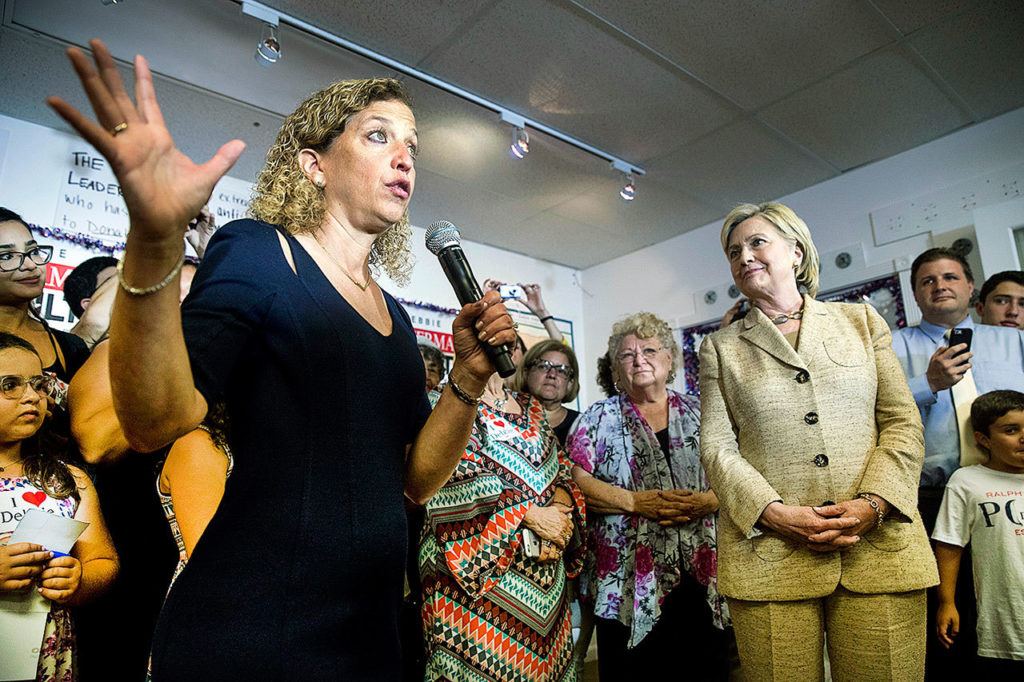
[[268, 50], [256, 9], [520, 146], [628, 191], [111, 2]]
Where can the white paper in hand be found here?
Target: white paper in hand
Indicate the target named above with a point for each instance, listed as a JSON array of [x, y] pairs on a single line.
[[55, 533]]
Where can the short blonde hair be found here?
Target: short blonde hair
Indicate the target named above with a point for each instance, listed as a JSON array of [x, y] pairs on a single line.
[[643, 326], [284, 196], [533, 356], [793, 230]]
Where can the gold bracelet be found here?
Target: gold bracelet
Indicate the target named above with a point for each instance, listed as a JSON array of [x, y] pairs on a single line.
[[145, 291], [461, 394], [879, 514]]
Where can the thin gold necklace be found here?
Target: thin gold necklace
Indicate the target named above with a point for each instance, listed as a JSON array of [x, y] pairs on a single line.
[[3, 467], [334, 260]]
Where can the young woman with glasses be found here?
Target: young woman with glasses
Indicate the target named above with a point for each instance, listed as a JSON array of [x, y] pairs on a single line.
[[22, 276]]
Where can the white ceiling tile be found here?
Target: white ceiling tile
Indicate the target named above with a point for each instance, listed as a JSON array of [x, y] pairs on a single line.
[[911, 15], [980, 53], [542, 60], [565, 241], [880, 106], [741, 162], [659, 212], [752, 52], [403, 30], [209, 44]]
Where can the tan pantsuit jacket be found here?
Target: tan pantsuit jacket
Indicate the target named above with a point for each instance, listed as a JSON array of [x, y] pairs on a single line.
[[808, 428]]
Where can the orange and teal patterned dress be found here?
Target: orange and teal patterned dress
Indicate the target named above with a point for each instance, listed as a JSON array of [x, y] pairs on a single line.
[[490, 612]]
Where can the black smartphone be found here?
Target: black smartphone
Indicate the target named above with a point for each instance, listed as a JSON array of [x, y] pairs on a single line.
[[960, 335]]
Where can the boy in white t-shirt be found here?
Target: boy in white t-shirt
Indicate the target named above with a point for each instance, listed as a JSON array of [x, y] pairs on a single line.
[[984, 505]]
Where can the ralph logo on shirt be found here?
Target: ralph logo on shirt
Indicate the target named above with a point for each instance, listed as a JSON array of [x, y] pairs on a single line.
[[991, 511]]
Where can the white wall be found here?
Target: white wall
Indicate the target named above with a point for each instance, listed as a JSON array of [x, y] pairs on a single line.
[[664, 278], [559, 287]]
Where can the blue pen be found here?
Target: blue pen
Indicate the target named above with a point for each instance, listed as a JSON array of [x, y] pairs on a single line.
[[57, 554]]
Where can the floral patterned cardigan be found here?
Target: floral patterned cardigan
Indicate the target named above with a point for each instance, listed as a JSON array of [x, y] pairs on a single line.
[[633, 563]]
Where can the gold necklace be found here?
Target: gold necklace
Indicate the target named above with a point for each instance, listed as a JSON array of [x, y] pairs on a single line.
[[3, 467], [783, 318], [334, 260]]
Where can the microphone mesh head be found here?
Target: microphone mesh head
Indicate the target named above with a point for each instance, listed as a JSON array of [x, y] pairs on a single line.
[[442, 234]]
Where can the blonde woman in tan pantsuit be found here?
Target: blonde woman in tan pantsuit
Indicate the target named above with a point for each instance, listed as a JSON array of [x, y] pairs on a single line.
[[811, 438]]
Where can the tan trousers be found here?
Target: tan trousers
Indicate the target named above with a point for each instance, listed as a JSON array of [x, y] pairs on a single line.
[[871, 637]]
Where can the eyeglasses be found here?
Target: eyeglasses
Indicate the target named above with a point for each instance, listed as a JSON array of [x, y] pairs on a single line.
[[12, 260], [543, 366], [629, 357], [12, 386]]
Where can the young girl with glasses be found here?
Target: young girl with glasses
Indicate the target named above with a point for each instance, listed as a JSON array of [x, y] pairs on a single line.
[[32, 477], [23, 268]]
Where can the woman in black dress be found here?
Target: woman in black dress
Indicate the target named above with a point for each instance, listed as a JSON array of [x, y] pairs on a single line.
[[299, 573]]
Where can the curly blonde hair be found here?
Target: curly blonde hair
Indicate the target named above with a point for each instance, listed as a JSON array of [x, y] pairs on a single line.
[[284, 196], [642, 326]]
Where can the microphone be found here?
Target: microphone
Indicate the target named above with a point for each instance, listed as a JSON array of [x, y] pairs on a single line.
[[443, 240]]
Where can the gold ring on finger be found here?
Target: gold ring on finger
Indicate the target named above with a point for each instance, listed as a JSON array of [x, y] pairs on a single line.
[[119, 128]]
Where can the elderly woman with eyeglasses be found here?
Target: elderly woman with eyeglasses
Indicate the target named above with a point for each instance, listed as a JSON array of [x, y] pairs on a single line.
[[550, 373], [651, 559]]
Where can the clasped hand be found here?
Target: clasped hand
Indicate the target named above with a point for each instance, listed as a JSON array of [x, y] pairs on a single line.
[[822, 529], [674, 507], [23, 563], [553, 525]]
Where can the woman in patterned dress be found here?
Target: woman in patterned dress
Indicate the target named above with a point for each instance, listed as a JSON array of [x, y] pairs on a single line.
[[651, 559], [490, 611], [31, 477]]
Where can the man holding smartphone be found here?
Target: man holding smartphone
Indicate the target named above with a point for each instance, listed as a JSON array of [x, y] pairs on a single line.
[[940, 356], [943, 286]]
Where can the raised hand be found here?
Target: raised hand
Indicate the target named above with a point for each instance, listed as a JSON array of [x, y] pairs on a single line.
[[162, 187], [533, 301], [201, 230]]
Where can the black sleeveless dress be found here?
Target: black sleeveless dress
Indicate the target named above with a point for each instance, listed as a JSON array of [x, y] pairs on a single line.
[[299, 574]]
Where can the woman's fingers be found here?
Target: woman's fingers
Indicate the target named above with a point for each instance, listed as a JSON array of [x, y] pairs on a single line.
[[108, 113], [219, 164], [112, 79], [90, 131], [56, 573], [30, 558], [145, 93]]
